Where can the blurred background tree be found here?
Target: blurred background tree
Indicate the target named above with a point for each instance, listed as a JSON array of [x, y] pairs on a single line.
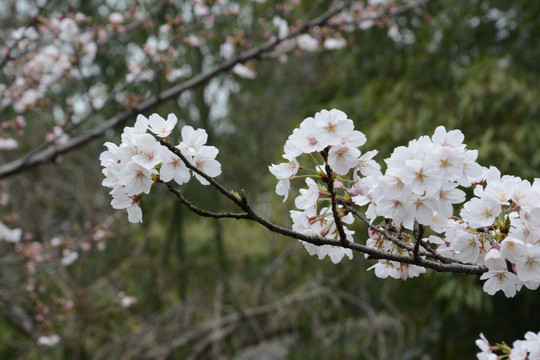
[[227, 289]]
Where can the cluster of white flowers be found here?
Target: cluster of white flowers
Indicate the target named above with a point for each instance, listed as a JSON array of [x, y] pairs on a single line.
[[527, 349], [419, 187], [331, 135], [421, 179], [140, 160], [498, 228]]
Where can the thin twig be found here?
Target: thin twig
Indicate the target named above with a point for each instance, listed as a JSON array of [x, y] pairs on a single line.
[[202, 212], [234, 198]]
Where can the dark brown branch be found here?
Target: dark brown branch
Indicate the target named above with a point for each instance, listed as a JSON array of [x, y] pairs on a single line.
[[431, 253], [418, 235], [449, 265], [381, 230], [329, 179], [371, 252]]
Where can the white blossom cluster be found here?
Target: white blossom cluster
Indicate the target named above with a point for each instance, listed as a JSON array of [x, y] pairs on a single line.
[[330, 134], [526, 349], [499, 227], [420, 186], [140, 160]]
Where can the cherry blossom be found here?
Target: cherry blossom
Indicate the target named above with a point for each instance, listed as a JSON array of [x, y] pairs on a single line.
[[334, 43], [309, 196], [192, 140], [121, 200], [308, 43], [227, 50], [419, 187], [244, 71], [386, 268], [498, 277], [497, 230], [343, 157], [486, 349], [8, 144], [284, 172], [160, 126], [308, 222], [282, 27], [205, 161], [309, 137], [148, 151], [173, 168], [335, 126], [367, 166], [528, 265], [48, 340], [480, 212], [10, 235], [69, 257], [136, 179]]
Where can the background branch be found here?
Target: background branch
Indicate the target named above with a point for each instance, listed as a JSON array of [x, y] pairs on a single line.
[[52, 152]]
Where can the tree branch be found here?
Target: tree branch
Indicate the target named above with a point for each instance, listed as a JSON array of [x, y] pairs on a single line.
[[449, 265]]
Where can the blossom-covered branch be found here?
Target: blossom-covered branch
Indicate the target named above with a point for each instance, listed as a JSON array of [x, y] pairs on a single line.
[[140, 160]]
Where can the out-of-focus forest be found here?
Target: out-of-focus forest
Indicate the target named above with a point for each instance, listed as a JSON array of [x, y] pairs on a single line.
[[179, 286]]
